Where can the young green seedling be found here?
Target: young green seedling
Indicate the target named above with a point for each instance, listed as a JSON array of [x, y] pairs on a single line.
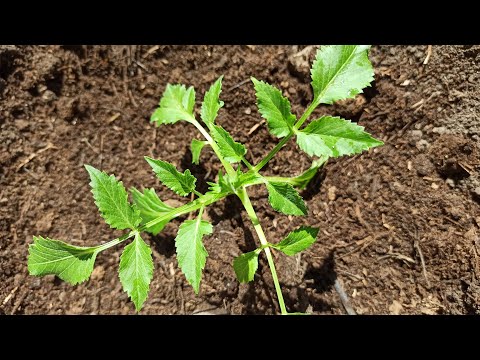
[[338, 72]]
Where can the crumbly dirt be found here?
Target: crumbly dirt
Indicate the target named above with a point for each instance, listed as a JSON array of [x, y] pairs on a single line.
[[399, 224]]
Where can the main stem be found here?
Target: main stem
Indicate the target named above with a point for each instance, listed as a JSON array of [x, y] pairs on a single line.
[[243, 195]]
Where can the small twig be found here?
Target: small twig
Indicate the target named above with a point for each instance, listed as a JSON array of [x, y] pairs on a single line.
[[113, 118], [227, 232], [417, 104], [454, 222], [132, 99], [32, 156], [85, 140], [360, 218], [141, 65], [154, 142], [238, 85], [429, 53], [416, 245], [344, 298], [151, 51], [19, 302], [399, 256], [9, 296], [101, 149], [255, 127]]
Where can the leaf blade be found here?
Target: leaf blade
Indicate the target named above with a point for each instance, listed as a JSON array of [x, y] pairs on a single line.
[[232, 151], [275, 108], [297, 240], [333, 137], [196, 147], [111, 199], [150, 207], [246, 266], [285, 199], [211, 102], [136, 270], [73, 264], [182, 184], [340, 72], [191, 253], [176, 104]]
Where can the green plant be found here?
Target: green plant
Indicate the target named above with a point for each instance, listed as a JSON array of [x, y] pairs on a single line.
[[338, 72]]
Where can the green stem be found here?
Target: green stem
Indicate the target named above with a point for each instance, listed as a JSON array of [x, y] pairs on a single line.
[[272, 153], [116, 241], [196, 204], [200, 212], [247, 163], [243, 195], [277, 148], [262, 179], [214, 146], [305, 116]]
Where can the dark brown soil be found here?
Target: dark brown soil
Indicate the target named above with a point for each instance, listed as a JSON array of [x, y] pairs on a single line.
[[380, 213]]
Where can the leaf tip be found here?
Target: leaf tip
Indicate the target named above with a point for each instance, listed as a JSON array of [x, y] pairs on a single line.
[[89, 168]]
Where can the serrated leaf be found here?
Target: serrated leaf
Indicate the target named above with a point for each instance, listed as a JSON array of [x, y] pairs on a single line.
[[333, 137], [150, 207], [246, 266], [301, 181], [73, 264], [232, 151], [285, 199], [191, 254], [196, 147], [111, 199], [176, 104], [275, 108], [340, 72], [136, 270], [211, 102], [182, 184], [297, 240]]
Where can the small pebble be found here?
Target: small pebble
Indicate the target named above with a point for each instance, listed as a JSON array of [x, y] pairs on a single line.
[[422, 145], [439, 130], [417, 134], [48, 96], [450, 182]]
